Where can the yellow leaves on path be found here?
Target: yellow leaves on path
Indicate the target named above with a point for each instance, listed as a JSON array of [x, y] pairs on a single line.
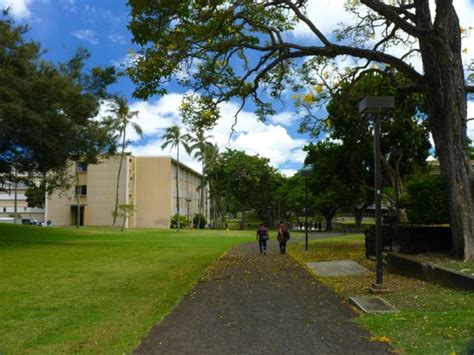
[[381, 339]]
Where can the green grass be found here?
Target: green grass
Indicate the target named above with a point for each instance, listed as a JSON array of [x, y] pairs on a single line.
[[96, 290], [432, 319]]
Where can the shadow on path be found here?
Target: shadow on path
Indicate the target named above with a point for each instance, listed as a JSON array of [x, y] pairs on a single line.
[[253, 304]]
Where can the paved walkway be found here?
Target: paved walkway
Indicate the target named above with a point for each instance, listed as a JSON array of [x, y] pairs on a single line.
[[253, 304]]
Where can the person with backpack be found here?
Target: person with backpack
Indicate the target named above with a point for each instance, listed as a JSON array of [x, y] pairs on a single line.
[[283, 236], [262, 236]]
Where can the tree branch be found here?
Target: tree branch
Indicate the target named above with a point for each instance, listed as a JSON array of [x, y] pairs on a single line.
[[391, 13]]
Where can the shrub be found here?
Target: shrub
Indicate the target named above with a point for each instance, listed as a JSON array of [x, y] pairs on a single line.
[[183, 221], [201, 219], [427, 200]]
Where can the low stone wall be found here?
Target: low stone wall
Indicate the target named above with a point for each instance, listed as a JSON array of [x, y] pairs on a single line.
[[412, 267], [410, 239]]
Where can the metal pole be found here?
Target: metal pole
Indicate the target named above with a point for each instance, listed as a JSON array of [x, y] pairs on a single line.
[[306, 213], [378, 201], [15, 208]]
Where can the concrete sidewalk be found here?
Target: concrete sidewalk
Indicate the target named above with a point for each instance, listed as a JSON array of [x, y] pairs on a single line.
[[254, 304]]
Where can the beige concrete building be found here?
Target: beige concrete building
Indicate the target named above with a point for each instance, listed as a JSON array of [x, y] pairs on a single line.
[[146, 182], [7, 202]]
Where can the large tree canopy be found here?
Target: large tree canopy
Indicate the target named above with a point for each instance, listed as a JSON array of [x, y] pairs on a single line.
[[47, 110], [244, 49]]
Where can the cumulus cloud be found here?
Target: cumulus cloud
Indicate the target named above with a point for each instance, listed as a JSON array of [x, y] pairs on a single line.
[[126, 61], [288, 172], [270, 140], [118, 38], [86, 35], [329, 15], [20, 9]]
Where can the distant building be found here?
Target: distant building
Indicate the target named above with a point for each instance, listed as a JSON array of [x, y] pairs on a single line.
[[147, 182], [435, 168], [7, 202]]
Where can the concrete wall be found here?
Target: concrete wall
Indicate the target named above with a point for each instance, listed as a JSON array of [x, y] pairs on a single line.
[[147, 182], [152, 192], [101, 187]]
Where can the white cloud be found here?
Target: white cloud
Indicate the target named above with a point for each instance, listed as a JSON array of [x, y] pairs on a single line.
[[327, 14], [288, 172], [118, 38], [86, 35], [127, 60], [20, 9], [284, 118], [69, 5], [271, 141]]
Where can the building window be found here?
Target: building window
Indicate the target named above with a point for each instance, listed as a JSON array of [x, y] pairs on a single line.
[[4, 209], [81, 190], [82, 167]]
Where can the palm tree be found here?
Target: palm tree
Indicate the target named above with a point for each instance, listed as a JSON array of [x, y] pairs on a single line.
[[121, 119], [174, 139], [200, 145], [210, 159]]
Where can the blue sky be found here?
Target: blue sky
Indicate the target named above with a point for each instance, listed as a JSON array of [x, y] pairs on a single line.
[[61, 26]]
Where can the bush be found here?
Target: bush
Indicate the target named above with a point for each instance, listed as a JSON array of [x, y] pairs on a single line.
[[201, 219], [183, 221], [427, 200]]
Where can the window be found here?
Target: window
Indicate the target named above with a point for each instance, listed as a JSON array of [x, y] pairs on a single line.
[[4, 209], [82, 167], [81, 190]]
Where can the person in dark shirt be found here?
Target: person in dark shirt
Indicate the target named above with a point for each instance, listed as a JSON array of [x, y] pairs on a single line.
[[283, 236], [262, 236]]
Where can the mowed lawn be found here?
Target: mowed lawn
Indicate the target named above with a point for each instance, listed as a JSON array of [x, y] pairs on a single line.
[[432, 319], [96, 290]]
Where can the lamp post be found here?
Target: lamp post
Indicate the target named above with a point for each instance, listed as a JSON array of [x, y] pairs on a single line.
[[374, 106], [305, 173]]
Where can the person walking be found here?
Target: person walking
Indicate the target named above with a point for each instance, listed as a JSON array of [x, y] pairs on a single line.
[[283, 236], [262, 236]]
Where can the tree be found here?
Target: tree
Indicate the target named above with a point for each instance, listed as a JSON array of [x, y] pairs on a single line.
[[199, 145], [47, 110], [242, 180], [124, 211], [330, 180], [240, 49], [427, 199], [121, 119], [405, 145], [217, 200], [174, 139]]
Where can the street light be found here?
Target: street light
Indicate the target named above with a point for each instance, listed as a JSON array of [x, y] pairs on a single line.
[[374, 106], [305, 173]]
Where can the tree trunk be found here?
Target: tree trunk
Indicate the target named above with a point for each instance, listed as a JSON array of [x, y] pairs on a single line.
[[15, 208], [359, 215], [446, 103], [243, 220], [177, 187], [123, 222], [78, 198], [328, 221], [118, 178]]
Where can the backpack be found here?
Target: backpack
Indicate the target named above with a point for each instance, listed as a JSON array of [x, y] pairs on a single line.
[[286, 235]]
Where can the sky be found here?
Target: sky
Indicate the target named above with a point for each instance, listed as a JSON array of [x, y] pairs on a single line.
[[61, 26]]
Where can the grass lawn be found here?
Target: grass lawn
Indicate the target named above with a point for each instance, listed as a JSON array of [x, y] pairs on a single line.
[[432, 319], [96, 290]]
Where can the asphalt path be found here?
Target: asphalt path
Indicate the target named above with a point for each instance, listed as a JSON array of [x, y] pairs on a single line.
[[255, 304]]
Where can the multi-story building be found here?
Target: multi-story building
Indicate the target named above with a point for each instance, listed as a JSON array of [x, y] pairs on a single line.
[[12, 194], [146, 182]]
